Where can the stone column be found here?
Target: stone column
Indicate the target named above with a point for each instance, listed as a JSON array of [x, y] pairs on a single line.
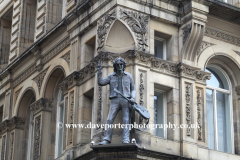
[[193, 110], [42, 125], [5, 139], [16, 135]]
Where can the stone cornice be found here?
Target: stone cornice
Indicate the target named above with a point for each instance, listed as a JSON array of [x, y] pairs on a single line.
[[193, 73], [13, 123], [222, 35], [42, 104], [135, 58]]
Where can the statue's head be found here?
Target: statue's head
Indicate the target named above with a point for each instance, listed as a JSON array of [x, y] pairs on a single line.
[[119, 64]]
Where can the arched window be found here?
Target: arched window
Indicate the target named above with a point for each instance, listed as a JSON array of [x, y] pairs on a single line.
[[60, 124], [219, 111]]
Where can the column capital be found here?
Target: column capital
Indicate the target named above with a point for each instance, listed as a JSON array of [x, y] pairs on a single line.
[[42, 104]]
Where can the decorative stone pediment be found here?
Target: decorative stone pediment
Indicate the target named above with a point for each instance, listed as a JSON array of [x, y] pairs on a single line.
[[135, 24], [42, 104]]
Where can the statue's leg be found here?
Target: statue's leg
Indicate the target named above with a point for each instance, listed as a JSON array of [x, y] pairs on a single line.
[[114, 108], [126, 121]]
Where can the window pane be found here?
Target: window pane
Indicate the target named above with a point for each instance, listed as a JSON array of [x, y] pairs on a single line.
[[158, 48], [158, 116], [60, 131], [210, 118], [217, 79], [223, 122]]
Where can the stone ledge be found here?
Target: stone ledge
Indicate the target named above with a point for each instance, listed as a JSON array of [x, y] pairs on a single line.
[[125, 151]]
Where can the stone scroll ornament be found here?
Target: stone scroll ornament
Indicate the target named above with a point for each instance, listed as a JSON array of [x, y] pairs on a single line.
[[139, 25], [103, 28]]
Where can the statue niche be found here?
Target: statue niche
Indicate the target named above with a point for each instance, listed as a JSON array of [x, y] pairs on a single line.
[[119, 39]]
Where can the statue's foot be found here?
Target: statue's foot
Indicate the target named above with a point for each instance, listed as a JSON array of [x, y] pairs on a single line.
[[124, 142], [104, 142]]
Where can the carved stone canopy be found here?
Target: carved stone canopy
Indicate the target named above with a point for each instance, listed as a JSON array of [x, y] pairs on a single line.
[[42, 104], [136, 22]]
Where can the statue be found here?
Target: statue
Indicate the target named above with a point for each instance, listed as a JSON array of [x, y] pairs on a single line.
[[122, 82]]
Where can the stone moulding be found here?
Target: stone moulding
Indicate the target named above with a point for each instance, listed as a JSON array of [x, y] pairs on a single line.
[[24, 75], [55, 50], [42, 104], [37, 137], [135, 57], [13, 123], [139, 24], [99, 109], [103, 28], [221, 35], [193, 73], [199, 114], [188, 108]]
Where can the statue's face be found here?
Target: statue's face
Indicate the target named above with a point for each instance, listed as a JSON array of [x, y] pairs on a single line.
[[119, 66]]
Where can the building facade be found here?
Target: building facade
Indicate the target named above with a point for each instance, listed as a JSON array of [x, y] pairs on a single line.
[[184, 56]]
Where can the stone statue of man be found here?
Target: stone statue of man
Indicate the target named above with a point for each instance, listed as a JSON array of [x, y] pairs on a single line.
[[123, 82]]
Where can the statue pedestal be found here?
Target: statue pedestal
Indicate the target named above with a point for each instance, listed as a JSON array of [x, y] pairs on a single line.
[[124, 151]]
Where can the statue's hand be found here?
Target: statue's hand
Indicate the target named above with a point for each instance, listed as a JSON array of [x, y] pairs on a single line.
[[99, 66], [131, 101]]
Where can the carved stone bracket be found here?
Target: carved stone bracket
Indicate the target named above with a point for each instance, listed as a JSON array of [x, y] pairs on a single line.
[[139, 24], [193, 73], [39, 79], [42, 104], [103, 28]]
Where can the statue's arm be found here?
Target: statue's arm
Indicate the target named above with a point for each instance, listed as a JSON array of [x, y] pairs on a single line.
[[103, 82], [133, 89]]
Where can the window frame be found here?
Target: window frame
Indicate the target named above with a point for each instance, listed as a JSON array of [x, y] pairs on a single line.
[[164, 47], [164, 111], [225, 91], [60, 103]]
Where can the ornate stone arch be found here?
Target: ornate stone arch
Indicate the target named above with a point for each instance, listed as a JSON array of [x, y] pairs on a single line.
[[22, 93], [50, 81], [60, 64]]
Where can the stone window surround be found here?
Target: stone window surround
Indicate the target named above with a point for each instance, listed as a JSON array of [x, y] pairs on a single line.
[[230, 107], [164, 46]]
